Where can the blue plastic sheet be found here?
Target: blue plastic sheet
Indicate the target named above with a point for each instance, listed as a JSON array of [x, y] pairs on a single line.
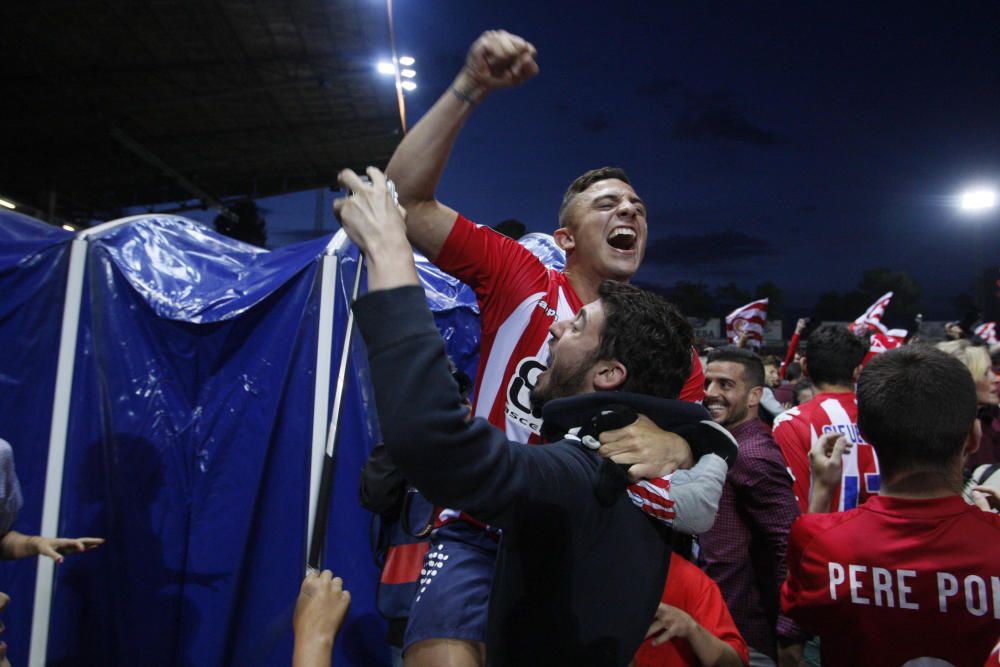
[[34, 258], [189, 450], [545, 248], [190, 430]]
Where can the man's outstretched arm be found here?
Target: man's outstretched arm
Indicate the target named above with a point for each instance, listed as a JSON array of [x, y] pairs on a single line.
[[455, 463], [496, 60]]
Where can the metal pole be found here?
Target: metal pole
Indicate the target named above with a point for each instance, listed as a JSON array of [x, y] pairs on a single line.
[[326, 478]]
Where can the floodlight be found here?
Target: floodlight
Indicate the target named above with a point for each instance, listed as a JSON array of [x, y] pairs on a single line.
[[406, 61], [408, 85], [7, 204], [386, 68], [978, 199], [408, 73]]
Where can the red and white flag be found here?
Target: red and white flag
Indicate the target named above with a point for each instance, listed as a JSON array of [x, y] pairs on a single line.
[[883, 342], [749, 320], [872, 318], [988, 332]]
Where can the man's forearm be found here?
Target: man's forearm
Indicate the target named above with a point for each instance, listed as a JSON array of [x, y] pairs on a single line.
[[420, 159], [696, 494], [15, 545], [820, 500], [496, 60]]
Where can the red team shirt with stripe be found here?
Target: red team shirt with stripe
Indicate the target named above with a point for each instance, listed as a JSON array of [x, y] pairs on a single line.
[[519, 300], [796, 431]]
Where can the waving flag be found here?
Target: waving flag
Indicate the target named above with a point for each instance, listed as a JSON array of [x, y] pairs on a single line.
[[749, 320], [872, 318], [988, 332], [883, 342]]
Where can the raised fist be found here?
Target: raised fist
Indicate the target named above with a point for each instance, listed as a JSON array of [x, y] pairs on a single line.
[[499, 59]]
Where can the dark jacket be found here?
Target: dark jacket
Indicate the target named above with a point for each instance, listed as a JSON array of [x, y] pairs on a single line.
[[577, 582]]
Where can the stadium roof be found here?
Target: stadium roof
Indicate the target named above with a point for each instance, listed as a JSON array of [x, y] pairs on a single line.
[[110, 104]]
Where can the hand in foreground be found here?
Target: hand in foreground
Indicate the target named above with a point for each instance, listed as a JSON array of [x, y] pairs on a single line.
[[57, 547], [791, 655], [826, 459], [801, 325], [369, 215], [826, 465], [497, 60], [319, 613], [986, 498], [670, 622], [650, 451], [376, 223]]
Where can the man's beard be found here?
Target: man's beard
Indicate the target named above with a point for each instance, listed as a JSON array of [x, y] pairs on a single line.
[[735, 414], [562, 382]]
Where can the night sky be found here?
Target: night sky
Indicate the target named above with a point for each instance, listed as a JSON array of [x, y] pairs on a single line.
[[793, 143]]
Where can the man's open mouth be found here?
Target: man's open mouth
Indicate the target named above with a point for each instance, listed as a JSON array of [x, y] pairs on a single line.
[[623, 238]]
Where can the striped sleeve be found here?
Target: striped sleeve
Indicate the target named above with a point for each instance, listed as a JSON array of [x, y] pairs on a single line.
[[685, 500]]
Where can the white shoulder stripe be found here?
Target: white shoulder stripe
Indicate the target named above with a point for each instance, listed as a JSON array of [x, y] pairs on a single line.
[[508, 336]]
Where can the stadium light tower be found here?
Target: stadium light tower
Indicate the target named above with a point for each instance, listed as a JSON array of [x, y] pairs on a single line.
[[403, 69]]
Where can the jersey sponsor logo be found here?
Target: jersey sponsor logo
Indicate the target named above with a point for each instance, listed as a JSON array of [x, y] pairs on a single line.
[[518, 408], [883, 587], [547, 309]]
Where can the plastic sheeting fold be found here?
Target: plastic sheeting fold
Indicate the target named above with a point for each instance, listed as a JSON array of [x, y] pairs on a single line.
[[189, 439]]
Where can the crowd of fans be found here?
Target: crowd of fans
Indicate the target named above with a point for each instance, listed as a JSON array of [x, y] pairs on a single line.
[[837, 534], [684, 507]]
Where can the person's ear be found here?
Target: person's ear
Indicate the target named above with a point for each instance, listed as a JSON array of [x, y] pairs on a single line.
[[754, 398], [609, 375], [856, 374], [564, 239], [972, 440], [805, 367]]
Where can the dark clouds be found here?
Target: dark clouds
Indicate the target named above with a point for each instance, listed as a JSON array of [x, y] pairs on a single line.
[[658, 89], [714, 248], [596, 123], [705, 116], [718, 119]]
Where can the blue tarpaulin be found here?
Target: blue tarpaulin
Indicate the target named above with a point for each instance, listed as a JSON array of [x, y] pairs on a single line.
[[202, 380], [189, 440], [34, 257]]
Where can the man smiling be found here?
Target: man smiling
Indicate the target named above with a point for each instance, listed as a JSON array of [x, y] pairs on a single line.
[[744, 551]]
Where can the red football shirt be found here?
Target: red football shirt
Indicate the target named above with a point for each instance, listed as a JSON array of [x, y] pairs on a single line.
[[519, 300], [895, 580], [796, 431], [691, 590]]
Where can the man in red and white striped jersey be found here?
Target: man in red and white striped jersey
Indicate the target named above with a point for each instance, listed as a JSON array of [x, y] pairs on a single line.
[[832, 361], [602, 229]]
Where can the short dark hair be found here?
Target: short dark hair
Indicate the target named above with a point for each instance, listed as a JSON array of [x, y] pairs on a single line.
[[916, 406], [649, 336], [832, 354], [793, 371], [771, 360], [753, 368], [584, 181], [801, 386]]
